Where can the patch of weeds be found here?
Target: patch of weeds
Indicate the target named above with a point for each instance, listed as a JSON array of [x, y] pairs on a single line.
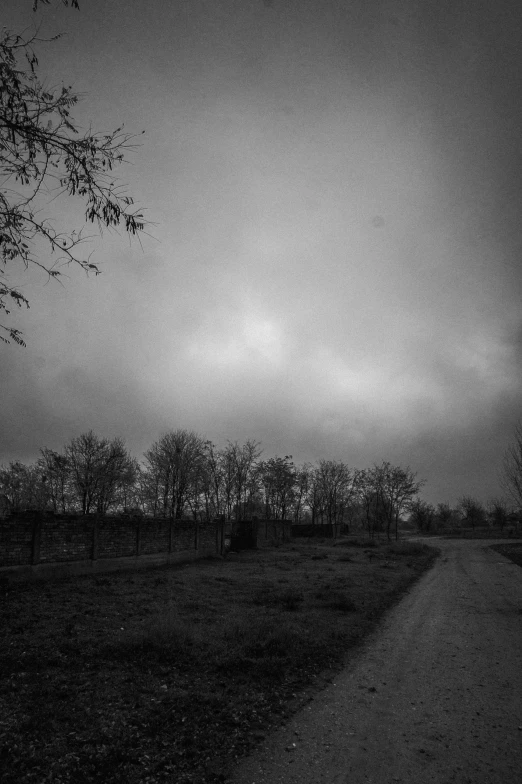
[[357, 542], [319, 556], [195, 605], [264, 646], [70, 647], [322, 593], [408, 548], [335, 600], [271, 596], [345, 558], [291, 599], [343, 603], [163, 637], [272, 639]]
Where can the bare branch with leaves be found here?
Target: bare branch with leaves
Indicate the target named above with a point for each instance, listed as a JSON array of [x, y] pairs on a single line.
[[44, 157]]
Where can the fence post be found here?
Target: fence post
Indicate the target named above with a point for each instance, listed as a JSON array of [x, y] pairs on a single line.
[[94, 550], [36, 539]]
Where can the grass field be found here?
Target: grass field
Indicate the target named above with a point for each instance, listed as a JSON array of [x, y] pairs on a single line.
[[171, 674]]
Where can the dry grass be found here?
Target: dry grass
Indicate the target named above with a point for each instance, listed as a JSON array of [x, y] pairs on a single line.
[[508, 532], [511, 551], [169, 675]]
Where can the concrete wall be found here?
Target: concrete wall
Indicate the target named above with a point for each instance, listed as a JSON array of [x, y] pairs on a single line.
[[271, 531], [32, 541], [325, 531]]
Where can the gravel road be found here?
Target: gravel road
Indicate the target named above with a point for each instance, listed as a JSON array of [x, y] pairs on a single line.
[[434, 696]]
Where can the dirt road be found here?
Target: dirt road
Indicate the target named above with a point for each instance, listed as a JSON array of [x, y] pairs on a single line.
[[435, 695]]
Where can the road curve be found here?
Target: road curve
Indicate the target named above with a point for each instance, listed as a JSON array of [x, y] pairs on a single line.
[[434, 696]]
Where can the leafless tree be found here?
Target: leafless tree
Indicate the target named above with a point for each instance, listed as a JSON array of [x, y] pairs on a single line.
[[422, 515], [303, 476], [336, 488], [23, 486], [472, 511], [396, 488], [278, 479], [241, 461], [98, 469], [315, 496], [173, 464], [57, 477], [498, 512], [446, 516]]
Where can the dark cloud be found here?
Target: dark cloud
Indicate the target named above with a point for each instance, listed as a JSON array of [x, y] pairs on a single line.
[[336, 266]]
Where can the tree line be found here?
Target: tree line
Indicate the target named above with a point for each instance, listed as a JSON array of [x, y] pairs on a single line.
[[185, 475], [470, 512]]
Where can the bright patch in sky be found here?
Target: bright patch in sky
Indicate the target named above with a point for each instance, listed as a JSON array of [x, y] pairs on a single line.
[[238, 341]]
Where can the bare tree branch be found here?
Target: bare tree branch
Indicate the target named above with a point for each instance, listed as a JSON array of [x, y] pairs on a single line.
[[44, 157]]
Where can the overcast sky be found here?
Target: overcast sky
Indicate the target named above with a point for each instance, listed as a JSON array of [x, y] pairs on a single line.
[[335, 267]]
